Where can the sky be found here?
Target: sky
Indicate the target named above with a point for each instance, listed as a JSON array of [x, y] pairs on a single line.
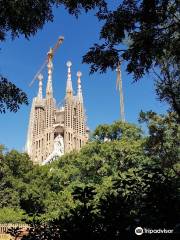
[[20, 59]]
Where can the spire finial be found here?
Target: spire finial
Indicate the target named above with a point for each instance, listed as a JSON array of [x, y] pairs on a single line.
[[69, 64], [79, 92], [40, 78], [69, 88], [50, 54], [79, 74]]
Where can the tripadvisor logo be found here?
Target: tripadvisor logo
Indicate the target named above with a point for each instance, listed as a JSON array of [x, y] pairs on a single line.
[[140, 231]]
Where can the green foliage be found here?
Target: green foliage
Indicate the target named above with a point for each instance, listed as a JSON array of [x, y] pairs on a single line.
[[14, 167], [118, 181], [26, 17], [18, 163], [46, 192], [152, 27], [137, 197], [163, 143], [168, 83], [9, 196], [146, 35], [10, 215], [11, 97], [117, 131]]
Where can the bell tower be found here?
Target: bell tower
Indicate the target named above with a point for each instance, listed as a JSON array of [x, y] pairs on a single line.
[[68, 113], [49, 110], [80, 121]]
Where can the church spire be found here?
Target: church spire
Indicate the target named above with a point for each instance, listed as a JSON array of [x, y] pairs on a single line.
[[40, 78], [79, 91], [49, 90], [69, 89]]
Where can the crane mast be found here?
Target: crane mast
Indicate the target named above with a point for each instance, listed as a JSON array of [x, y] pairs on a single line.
[[119, 84]]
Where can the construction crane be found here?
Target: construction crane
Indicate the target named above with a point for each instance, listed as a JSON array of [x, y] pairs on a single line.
[[49, 57], [119, 84]]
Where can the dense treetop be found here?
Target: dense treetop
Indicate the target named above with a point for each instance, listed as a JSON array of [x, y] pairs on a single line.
[[116, 181], [151, 28], [26, 17]]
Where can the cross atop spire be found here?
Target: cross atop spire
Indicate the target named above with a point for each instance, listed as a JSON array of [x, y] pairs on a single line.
[[40, 78], [69, 89], [79, 91]]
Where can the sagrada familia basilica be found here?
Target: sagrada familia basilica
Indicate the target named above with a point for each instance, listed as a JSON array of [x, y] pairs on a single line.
[[55, 131]]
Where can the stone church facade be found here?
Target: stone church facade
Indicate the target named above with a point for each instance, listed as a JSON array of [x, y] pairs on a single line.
[[55, 131]]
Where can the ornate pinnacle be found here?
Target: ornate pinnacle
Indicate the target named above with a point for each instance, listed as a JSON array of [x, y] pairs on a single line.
[[49, 90], [40, 78], [50, 54], [69, 64], [79, 92], [69, 82], [79, 74]]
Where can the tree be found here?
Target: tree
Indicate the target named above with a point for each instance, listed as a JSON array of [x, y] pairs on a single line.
[[143, 33], [35, 192], [14, 167], [48, 191], [115, 183], [152, 28], [11, 97], [168, 84], [10, 215], [18, 163], [25, 18], [118, 181], [163, 142], [117, 131], [137, 197]]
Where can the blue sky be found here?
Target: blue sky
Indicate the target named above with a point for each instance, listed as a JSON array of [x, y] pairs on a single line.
[[20, 60]]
